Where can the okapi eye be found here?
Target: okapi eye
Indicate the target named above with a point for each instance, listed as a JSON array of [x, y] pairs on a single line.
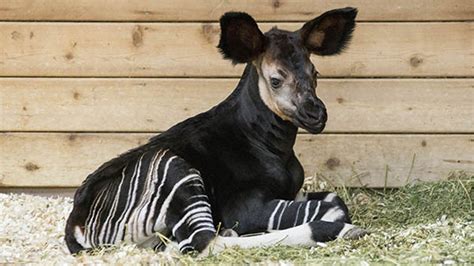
[[276, 83]]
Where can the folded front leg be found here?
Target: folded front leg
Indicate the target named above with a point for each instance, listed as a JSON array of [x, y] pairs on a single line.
[[253, 215], [285, 214], [293, 223], [306, 235]]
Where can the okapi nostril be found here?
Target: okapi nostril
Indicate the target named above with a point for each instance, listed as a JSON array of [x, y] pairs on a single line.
[[313, 116]]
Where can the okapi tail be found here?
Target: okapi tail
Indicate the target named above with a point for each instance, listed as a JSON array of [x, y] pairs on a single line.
[[73, 230], [71, 241]]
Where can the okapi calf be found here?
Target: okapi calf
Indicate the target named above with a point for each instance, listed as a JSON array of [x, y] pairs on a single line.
[[233, 165]]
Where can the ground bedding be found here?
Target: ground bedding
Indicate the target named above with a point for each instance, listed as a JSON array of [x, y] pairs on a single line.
[[428, 223]]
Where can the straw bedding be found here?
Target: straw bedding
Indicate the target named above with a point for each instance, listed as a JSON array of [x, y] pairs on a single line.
[[430, 222]]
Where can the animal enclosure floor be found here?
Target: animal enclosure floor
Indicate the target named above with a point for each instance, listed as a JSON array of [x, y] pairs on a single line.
[[417, 223]]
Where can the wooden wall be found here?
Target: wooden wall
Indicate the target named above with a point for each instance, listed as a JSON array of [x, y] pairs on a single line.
[[84, 80]]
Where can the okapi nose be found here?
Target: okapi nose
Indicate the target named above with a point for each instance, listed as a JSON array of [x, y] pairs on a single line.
[[314, 109], [319, 110], [321, 106], [319, 114], [323, 116]]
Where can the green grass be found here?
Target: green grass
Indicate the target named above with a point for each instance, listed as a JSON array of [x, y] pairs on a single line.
[[425, 222]]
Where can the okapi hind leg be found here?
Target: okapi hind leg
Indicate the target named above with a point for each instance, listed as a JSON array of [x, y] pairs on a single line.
[[306, 235], [159, 194], [189, 215], [75, 226]]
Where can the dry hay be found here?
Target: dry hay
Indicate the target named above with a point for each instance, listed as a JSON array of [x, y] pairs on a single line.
[[417, 223]]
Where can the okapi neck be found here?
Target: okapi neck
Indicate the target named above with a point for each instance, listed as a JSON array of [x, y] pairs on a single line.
[[257, 121]]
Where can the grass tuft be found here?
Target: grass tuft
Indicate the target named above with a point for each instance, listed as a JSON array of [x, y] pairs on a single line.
[[412, 204]]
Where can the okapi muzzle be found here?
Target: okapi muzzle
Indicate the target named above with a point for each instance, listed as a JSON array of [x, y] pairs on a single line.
[[311, 115]]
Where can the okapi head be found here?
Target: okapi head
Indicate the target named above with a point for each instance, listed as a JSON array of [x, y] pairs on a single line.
[[287, 78]]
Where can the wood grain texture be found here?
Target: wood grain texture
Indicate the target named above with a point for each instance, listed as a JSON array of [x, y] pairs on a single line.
[[138, 105], [189, 49], [211, 10], [64, 160]]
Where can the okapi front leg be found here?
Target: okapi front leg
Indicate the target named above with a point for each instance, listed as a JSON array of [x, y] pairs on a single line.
[[306, 235], [292, 223], [253, 215]]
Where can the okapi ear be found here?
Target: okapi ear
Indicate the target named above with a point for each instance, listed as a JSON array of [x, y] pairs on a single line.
[[329, 33], [241, 39]]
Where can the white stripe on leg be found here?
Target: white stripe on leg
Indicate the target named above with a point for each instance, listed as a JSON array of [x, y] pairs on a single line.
[[330, 197], [272, 217], [333, 214], [295, 236]]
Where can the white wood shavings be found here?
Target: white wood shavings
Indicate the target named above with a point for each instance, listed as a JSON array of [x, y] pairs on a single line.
[[32, 231]]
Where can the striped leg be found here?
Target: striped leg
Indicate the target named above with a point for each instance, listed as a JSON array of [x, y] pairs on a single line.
[[189, 217], [284, 214], [328, 218], [324, 196]]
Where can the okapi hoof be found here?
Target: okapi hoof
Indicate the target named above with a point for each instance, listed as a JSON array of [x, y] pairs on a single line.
[[355, 233]]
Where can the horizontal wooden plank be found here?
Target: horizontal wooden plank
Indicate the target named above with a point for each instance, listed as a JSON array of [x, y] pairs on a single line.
[[354, 105], [64, 160], [189, 49], [204, 10]]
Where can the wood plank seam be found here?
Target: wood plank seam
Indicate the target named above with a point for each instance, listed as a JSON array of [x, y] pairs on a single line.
[[107, 50], [142, 105], [65, 159], [210, 10]]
